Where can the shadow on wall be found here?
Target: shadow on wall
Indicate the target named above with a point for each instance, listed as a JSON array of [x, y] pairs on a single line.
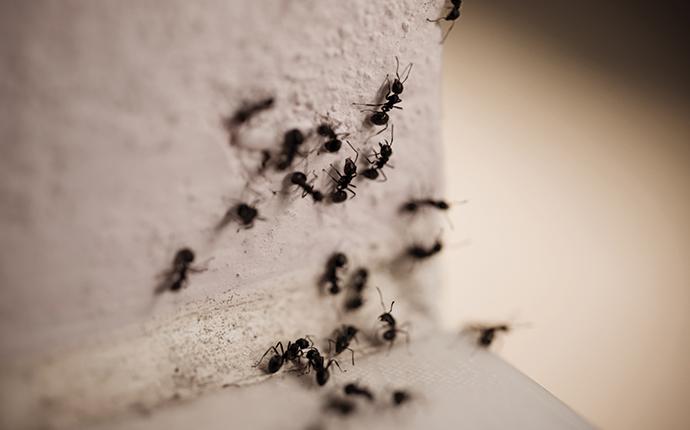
[[566, 128]]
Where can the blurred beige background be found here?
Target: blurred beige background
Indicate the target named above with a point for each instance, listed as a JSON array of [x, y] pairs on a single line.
[[567, 127]]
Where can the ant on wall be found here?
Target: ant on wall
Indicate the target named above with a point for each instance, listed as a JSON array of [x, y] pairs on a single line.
[[337, 261], [419, 252], [391, 329], [244, 213], [344, 181], [316, 361], [343, 337], [300, 179], [292, 353], [357, 283], [353, 389], [381, 117], [400, 396], [453, 15], [292, 140], [333, 142], [176, 277], [341, 406], [244, 114], [486, 333], [381, 159]]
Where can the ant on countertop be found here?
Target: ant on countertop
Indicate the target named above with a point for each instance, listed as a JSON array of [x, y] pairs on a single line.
[[453, 15], [381, 117], [400, 396]]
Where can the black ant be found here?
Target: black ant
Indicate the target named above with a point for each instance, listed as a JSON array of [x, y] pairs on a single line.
[[337, 261], [245, 113], [177, 275], [452, 15], [419, 252], [316, 362], [333, 144], [381, 159], [343, 338], [487, 333], [293, 352], [396, 88], [357, 283], [292, 140], [387, 318], [414, 205], [344, 181], [300, 179], [400, 396], [341, 406], [353, 389], [243, 212]]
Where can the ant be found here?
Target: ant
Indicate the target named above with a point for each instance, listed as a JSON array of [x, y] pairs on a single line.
[[400, 396], [387, 318], [353, 389], [487, 333], [177, 275], [341, 406], [381, 159], [414, 205], [316, 362], [338, 260], [243, 212], [344, 181], [292, 353], [357, 283], [300, 179], [333, 144], [342, 340], [452, 15], [396, 88], [419, 252], [292, 140], [245, 113]]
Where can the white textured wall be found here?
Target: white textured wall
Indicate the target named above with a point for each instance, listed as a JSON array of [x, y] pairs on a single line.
[[114, 157]]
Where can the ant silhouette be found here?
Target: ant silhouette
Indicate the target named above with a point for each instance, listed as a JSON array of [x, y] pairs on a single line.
[[381, 159], [343, 337], [400, 396], [357, 283], [486, 333], [354, 389], [244, 213], [300, 179], [292, 140], [292, 353], [381, 117], [341, 406], [413, 205], [333, 142], [337, 261], [244, 114], [419, 252], [176, 277], [453, 15], [344, 181], [391, 329], [316, 361]]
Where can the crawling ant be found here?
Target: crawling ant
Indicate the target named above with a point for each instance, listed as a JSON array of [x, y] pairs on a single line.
[[333, 142], [176, 277], [245, 113], [419, 252], [292, 353], [341, 406], [453, 15], [487, 333], [343, 338], [316, 362], [392, 330], [243, 212], [292, 140], [357, 283], [300, 179], [344, 181], [381, 117], [353, 389], [265, 159], [337, 261], [381, 159], [400, 396], [414, 205]]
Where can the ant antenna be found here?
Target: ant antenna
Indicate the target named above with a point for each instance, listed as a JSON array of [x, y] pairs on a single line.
[[397, 67], [383, 305], [353, 148]]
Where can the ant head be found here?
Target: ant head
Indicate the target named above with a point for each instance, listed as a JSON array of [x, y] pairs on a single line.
[[354, 303], [389, 335], [397, 87], [386, 150], [333, 145], [246, 213], [399, 397], [442, 204], [350, 388], [362, 274], [184, 255], [338, 259], [350, 330], [339, 196], [379, 118], [350, 167], [293, 137], [302, 343], [298, 178], [325, 130]]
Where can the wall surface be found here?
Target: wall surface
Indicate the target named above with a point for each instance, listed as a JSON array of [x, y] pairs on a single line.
[[566, 127], [115, 156]]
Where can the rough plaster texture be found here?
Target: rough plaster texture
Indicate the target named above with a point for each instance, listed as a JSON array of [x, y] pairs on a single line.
[[114, 156]]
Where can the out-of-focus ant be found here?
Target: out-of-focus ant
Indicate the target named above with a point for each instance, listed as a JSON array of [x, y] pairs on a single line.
[[316, 361], [244, 114], [292, 141], [486, 333], [357, 283], [337, 261], [391, 330], [340, 405], [419, 252], [381, 117], [176, 277], [343, 337], [452, 15], [400, 396], [353, 389], [413, 205], [381, 158], [244, 213], [300, 179], [293, 352], [343, 182], [333, 142]]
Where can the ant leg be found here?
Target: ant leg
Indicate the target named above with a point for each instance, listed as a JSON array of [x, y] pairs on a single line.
[[353, 193], [353, 356], [385, 178], [333, 360], [329, 345], [369, 104], [435, 20], [382, 130], [448, 32], [267, 351]]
